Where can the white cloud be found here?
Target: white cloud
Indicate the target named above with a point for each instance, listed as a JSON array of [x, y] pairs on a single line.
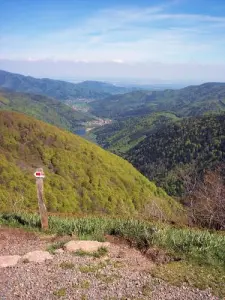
[[118, 61]]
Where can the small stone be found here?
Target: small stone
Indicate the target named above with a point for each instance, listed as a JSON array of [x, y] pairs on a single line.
[[59, 251], [37, 256], [9, 260]]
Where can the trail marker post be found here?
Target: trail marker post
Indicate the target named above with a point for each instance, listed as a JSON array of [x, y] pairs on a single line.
[[39, 174]]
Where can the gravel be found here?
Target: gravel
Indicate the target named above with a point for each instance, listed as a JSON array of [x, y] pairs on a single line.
[[123, 274]]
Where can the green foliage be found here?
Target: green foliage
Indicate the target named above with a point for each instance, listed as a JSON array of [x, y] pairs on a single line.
[[80, 177], [92, 268], [60, 293], [123, 135], [102, 251], [199, 276], [51, 248], [189, 101], [163, 133], [181, 149], [117, 106], [85, 284], [43, 108], [108, 278], [67, 265]]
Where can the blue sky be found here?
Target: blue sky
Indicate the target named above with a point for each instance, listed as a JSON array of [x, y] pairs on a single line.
[[142, 35]]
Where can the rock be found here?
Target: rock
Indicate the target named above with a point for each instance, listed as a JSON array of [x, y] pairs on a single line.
[[37, 256], [9, 260], [59, 251], [88, 246]]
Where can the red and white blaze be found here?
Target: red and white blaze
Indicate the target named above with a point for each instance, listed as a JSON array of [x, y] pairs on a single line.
[[39, 175]]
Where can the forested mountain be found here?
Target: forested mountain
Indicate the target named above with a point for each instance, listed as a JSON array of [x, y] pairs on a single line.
[[80, 176], [103, 87], [189, 101], [181, 149], [58, 89], [118, 106], [121, 136], [43, 108]]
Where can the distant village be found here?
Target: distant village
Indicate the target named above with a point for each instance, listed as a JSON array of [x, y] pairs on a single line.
[[97, 122], [80, 104]]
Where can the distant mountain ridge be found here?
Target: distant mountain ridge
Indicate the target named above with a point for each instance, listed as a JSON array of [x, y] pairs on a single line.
[[59, 89], [137, 113], [189, 101], [43, 108], [166, 134]]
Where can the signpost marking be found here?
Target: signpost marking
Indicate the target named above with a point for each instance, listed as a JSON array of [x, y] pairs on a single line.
[[39, 174]]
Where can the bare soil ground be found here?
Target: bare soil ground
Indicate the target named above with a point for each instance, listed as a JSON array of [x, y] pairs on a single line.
[[123, 274]]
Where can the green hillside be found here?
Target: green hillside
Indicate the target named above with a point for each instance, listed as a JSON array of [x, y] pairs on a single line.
[[43, 108], [121, 136], [80, 176], [189, 101], [103, 87], [58, 89], [118, 106], [190, 146]]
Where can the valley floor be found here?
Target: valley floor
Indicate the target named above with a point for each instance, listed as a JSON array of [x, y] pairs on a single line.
[[123, 274]]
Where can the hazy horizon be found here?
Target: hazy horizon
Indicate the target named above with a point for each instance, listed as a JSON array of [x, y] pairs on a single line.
[[95, 72]]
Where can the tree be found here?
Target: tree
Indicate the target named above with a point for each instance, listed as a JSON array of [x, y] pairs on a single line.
[[207, 200]]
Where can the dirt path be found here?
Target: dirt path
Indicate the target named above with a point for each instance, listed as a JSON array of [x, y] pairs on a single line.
[[123, 274]]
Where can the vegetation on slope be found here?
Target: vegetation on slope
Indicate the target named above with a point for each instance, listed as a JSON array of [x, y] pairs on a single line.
[[196, 257], [189, 101], [58, 89], [117, 106], [80, 176], [103, 87], [121, 136], [43, 108], [180, 148], [183, 155]]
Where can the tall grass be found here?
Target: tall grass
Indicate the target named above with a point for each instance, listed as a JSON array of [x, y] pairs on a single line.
[[201, 246]]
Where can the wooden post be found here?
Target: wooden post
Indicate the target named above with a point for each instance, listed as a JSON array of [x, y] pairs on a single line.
[[39, 174]]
